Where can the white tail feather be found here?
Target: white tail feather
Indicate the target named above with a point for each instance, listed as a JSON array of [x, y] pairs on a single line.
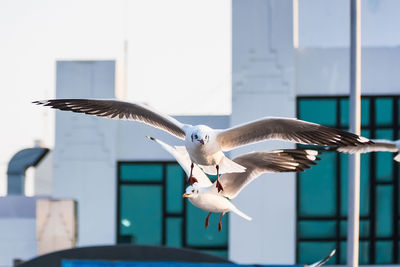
[[241, 214]]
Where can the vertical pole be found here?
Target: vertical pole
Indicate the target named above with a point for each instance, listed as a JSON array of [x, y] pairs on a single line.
[[355, 123]]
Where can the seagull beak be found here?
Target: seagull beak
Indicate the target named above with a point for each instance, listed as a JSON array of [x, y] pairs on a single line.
[[201, 141], [185, 195]]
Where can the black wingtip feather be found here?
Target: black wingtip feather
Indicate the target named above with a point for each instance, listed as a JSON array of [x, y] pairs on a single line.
[[151, 138]]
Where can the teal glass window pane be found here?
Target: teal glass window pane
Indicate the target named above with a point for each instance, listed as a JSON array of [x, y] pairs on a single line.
[[364, 184], [202, 236], [174, 232], [175, 181], [318, 111], [384, 252], [317, 229], [141, 213], [366, 133], [365, 117], [398, 105], [363, 252], [318, 188], [364, 228], [310, 251], [384, 111], [344, 112], [384, 160], [220, 253], [384, 208], [141, 172]]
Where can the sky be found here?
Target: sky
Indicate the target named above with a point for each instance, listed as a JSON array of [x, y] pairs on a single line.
[[176, 54]]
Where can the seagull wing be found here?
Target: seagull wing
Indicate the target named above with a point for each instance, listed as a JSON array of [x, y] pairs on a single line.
[[323, 261], [257, 163], [378, 145], [182, 157], [286, 129], [120, 110]]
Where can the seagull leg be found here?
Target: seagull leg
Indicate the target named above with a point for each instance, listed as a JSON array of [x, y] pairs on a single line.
[[191, 179], [219, 186], [208, 217], [220, 223]]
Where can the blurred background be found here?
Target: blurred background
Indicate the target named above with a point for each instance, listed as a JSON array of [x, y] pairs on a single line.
[[221, 63]]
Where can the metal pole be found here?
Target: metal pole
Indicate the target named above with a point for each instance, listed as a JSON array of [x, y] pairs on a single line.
[[355, 122]]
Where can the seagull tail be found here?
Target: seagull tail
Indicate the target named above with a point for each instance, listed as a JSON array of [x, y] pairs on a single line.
[[241, 214], [397, 158]]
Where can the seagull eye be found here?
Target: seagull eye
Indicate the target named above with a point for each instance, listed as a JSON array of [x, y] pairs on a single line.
[[193, 191], [195, 136]]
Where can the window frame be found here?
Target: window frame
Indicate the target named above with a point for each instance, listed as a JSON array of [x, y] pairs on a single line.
[[372, 238]]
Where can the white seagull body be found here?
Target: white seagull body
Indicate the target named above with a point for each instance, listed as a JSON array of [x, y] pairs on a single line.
[[204, 195], [379, 145], [206, 145]]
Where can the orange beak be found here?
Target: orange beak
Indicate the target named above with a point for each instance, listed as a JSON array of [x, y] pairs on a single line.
[[185, 195]]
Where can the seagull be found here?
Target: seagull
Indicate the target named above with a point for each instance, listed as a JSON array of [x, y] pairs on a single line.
[[204, 195], [378, 145], [206, 145], [323, 261]]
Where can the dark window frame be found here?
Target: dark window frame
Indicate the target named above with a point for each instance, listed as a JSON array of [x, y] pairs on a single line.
[[373, 186]]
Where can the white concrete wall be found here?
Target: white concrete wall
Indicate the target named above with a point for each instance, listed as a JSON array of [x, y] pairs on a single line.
[[263, 85], [85, 151], [327, 23], [44, 176], [325, 71], [17, 229]]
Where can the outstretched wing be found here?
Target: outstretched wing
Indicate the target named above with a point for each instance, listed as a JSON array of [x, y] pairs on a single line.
[[257, 163], [182, 157], [287, 129], [120, 110], [378, 145]]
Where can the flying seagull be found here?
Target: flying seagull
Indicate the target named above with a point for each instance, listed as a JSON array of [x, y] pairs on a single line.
[[378, 145], [323, 261], [206, 145], [204, 195]]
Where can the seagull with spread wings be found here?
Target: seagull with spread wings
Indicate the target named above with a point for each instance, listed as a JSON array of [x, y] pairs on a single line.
[[204, 195], [206, 145]]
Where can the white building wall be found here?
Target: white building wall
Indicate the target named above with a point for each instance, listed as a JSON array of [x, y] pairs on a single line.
[[85, 151], [17, 229], [325, 71], [263, 85]]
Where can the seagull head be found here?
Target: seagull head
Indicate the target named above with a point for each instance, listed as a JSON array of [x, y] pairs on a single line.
[[200, 134], [192, 191]]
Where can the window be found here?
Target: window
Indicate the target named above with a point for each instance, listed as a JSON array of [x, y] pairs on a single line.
[[322, 190], [151, 210]]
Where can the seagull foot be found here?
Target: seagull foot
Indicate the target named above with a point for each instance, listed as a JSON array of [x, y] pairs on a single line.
[[219, 186], [219, 227], [192, 180], [207, 219]]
